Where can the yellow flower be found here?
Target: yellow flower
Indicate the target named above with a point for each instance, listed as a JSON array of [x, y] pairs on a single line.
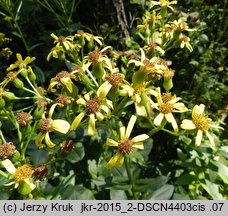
[[98, 108], [20, 62], [201, 122], [63, 78], [164, 3], [22, 177], [185, 42], [167, 104], [125, 145], [66, 42], [49, 125]]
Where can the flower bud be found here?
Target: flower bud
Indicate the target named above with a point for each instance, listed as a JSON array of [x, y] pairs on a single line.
[[23, 72], [98, 70], [2, 103], [18, 83], [9, 95]]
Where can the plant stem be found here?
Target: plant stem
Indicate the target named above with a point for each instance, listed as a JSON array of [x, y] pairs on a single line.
[[129, 174], [28, 141]]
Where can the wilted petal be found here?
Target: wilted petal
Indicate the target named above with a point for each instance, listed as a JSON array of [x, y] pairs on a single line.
[[198, 109], [116, 160], [111, 142], [77, 121], [140, 138], [158, 119], [48, 141], [130, 126], [67, 83], [60, 125], [39, 139], [91, 128], [199, 137], [187, 125], [9, 166]]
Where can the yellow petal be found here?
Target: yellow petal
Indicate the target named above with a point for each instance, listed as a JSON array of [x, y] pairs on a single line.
[[187, 125], [122, 133], [77, 121], [48, 141], [81, 101], [111, 142], [169, 117], [159, 98], [199, 137], [60, 125], [52, 84], [158, 119], [210, 139], [67, 83], [138, 145], [9, 166], [103, 90], [91, 128], [140, 138], [39, 140], [116, 160], [130, 126], [99, 116]]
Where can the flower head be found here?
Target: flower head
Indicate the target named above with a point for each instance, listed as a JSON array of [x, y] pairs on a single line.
[[201, 122], [167, 104], [20, 62], [48, 125], [96, 108], [22, 177], [125, 145]]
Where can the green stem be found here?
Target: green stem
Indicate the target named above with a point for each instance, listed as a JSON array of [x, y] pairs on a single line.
[[4, 174], [129, 174], [22, 37], [28, 141], [121, 105], [2, 137]]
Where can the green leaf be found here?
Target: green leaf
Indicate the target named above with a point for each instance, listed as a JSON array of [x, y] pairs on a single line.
[[150, 184], [77, 154], [186, 179], [92, 168], [222, 172], [163, 193], [77, 193], [5, 193], [118, 195], [213, 190]]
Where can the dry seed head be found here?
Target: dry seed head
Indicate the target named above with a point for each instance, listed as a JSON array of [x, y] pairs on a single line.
[[114, 79], [40, 172], [6, 150], [23, 118], [11, 75], [67, 146], [46, 125], [94, 56], [63, 99], [92, 106], [62, 74], [125, 146], [41, 103]]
